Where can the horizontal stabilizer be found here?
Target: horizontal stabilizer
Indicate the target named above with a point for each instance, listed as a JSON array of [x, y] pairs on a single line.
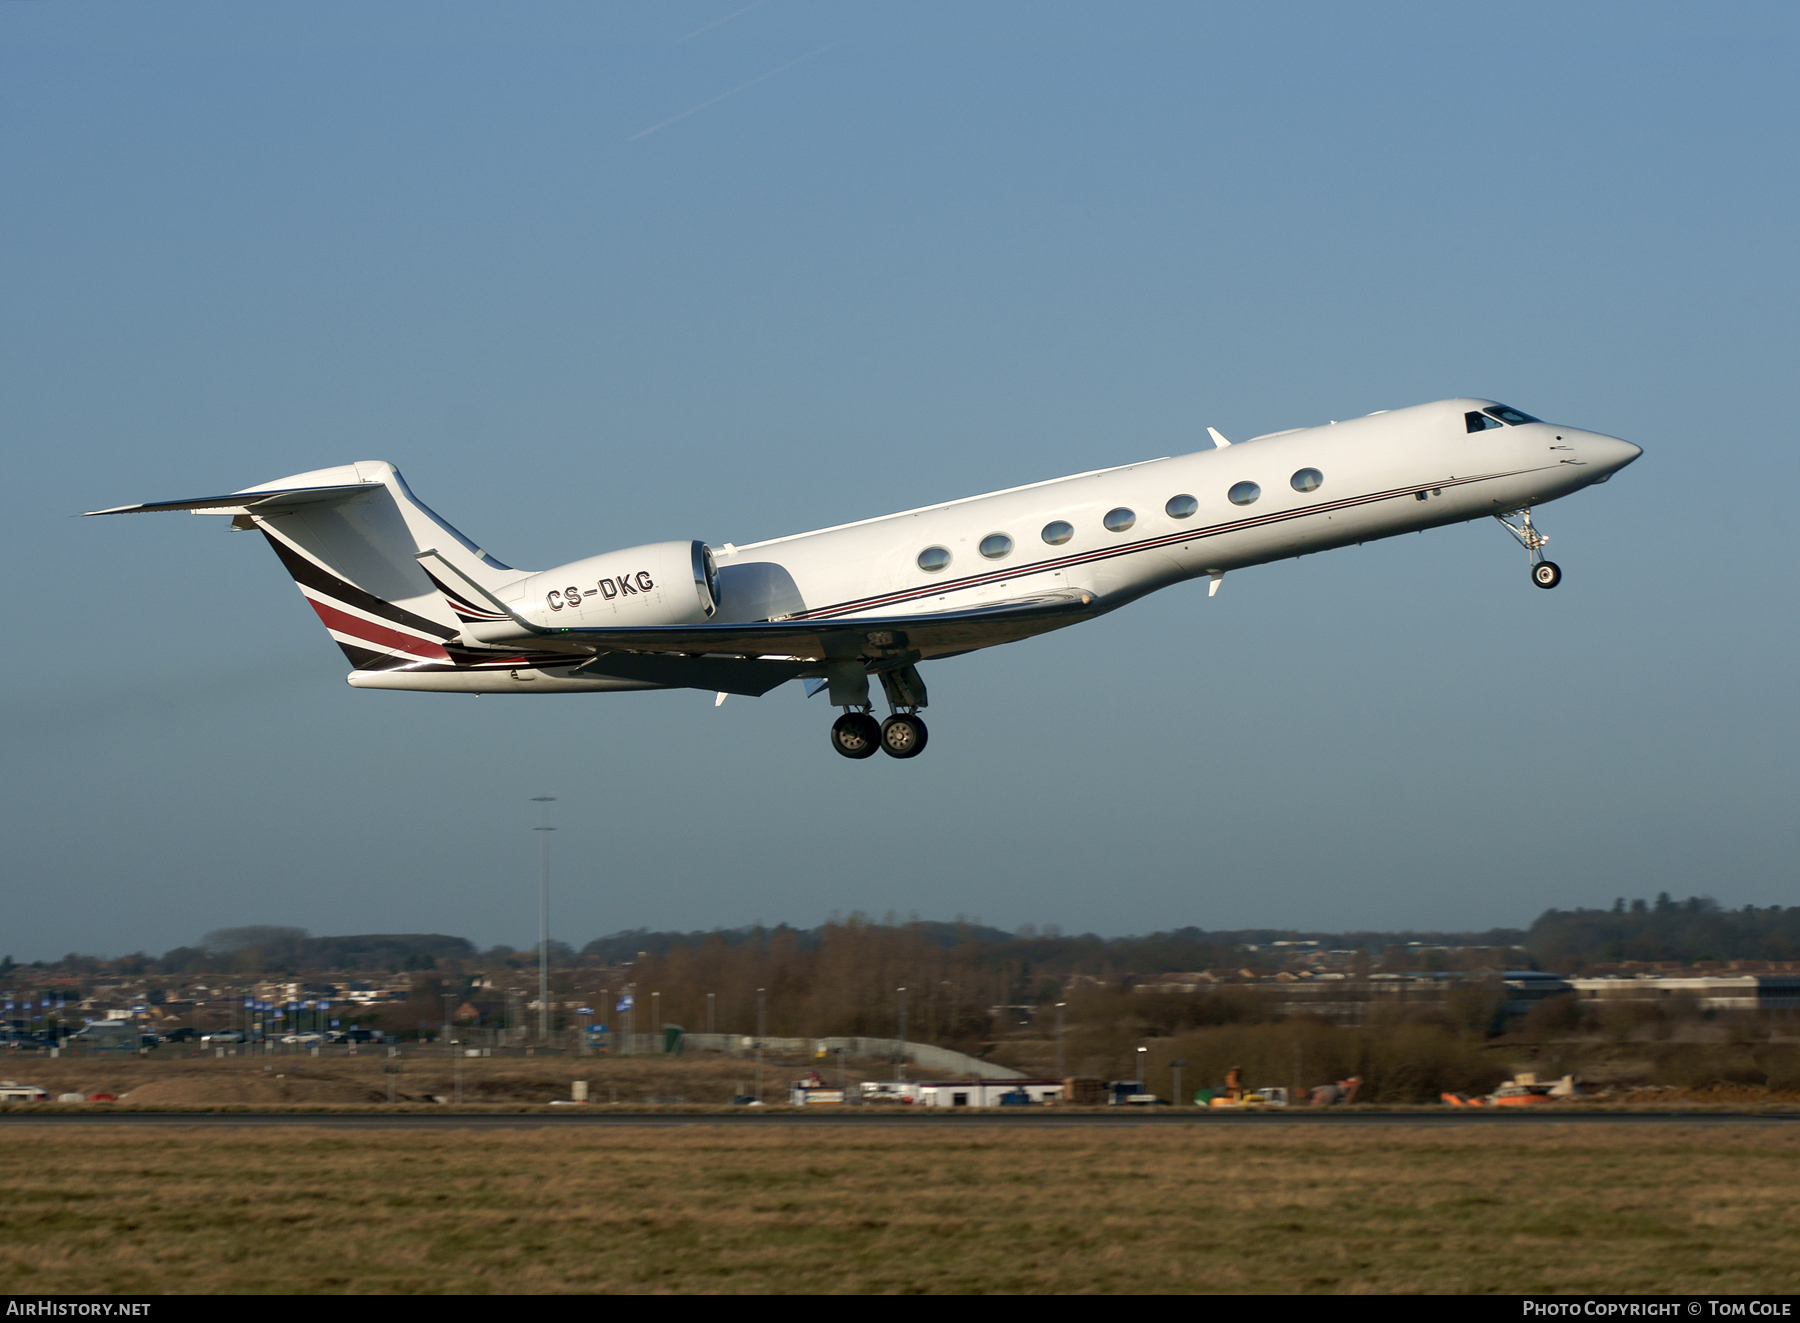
[[248, 502]]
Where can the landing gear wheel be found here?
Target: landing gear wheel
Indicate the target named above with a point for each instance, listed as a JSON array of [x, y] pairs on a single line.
[[1546, 574], [903, 736], [855, 735]]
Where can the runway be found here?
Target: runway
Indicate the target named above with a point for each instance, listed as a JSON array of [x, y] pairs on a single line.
[[914, 1120]]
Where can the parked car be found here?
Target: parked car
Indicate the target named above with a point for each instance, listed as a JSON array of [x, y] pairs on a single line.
[[307, 1039], [113, 1034], [226, 1036], [185, 1034], [357, 1036]]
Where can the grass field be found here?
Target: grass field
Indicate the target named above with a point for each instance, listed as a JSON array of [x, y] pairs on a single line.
[[172, 1080], [1589, 1209]]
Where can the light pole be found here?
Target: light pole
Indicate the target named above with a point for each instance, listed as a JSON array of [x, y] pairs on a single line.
[[544, 917], [901, 993], [1062, 1072], [1141, 1053], [710, 1019], [762, 1021]]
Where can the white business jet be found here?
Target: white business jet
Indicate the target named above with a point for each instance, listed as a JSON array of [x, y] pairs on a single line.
[[415, 605]]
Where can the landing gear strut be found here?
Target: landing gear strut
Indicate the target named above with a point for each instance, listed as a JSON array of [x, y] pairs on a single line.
[[1544, 573], [903, 735]]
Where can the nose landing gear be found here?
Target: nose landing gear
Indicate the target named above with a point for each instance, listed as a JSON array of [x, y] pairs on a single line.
[[1544, 573]]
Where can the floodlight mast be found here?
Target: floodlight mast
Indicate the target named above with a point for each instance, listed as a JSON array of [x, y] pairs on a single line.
[[544, 917]]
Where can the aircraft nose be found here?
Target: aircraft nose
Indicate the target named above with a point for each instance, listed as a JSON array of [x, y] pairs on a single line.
[[1608, 452]]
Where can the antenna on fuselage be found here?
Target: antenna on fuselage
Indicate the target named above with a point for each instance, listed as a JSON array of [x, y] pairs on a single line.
[[1218, 440]]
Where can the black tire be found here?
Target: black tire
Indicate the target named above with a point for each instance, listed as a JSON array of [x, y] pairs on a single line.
[[1546, 574], [903, 736], [855, 735]]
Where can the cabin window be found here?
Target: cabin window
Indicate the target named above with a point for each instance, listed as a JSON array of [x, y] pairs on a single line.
[[1058, 532], [1307, 480], [933, 559], [995, 545], [1117, 521], [1180, 507], [1479, 422], [1243, 493], [1511, 417]]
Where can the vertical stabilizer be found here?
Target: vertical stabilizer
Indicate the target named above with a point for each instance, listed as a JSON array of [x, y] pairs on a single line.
[[353, 559]]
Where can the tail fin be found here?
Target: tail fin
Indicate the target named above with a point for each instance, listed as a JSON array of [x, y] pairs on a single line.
[[349, 535]]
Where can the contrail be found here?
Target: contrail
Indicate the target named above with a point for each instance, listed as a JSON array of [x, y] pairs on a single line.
[[715, 23], [733, 92]]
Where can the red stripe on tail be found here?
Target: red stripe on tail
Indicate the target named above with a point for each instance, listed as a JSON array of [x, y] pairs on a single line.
[[376, 636]]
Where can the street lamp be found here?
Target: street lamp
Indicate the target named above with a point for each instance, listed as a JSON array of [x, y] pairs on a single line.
[[544, 917], [1061, 1069], [901, 993], [762, 1023], [1141, 1053]]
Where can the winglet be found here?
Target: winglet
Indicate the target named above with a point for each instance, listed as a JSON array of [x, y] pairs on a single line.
[[1218, 440]]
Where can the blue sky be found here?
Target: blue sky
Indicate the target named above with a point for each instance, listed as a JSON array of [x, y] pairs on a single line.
[[914, 252]]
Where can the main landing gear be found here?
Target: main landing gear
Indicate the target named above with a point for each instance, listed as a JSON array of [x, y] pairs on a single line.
[[1544, 573], [902, 735]]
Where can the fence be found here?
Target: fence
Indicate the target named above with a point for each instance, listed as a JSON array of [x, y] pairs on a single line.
[[930, 1057]]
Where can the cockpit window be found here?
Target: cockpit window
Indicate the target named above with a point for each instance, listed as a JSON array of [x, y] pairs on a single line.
[[1480, 422], [1511, 417]]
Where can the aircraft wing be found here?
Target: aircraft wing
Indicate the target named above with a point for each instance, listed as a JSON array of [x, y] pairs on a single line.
[[846, 637], [487, 621]]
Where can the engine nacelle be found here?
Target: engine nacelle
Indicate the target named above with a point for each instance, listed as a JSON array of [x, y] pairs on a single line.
[[665, 583]]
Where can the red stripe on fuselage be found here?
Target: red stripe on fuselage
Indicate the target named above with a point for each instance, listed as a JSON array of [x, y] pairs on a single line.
[[377, 636]]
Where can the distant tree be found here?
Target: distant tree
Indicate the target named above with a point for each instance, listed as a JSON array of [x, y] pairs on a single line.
[[229, 940]]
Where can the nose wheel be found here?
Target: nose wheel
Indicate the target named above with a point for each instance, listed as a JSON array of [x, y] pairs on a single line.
[[1544, 573]]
